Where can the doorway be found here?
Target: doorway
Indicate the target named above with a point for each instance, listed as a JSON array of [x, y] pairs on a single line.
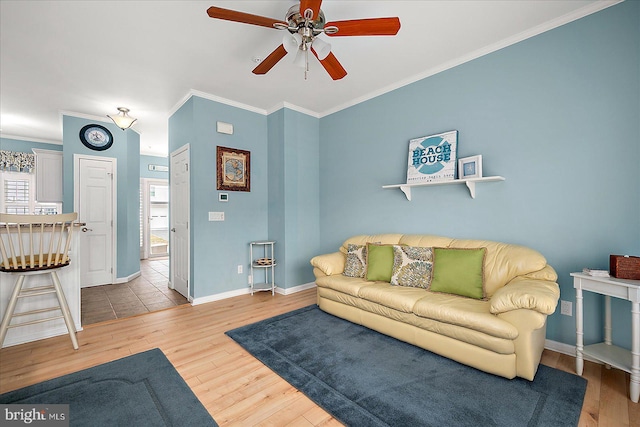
[[180, 195], [95, 201], [154, 211]]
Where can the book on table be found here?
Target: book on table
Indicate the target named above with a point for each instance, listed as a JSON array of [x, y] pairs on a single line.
[[596, 272]]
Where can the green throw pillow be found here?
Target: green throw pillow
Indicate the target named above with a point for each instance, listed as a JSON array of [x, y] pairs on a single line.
[[458, 271], [379, 262]]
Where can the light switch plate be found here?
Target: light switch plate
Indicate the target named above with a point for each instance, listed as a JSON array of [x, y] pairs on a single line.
[[216, 216]]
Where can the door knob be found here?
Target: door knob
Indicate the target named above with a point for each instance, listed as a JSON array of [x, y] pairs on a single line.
[[173, 229], [85, 229]]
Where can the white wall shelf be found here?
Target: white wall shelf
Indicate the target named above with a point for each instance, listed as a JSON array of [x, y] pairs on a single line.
[[470, 182]]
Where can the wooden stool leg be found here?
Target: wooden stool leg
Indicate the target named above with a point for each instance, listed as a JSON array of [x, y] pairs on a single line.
[[65, 310], [10, 309]]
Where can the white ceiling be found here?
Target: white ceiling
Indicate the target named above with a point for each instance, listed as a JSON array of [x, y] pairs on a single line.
[[86, 58]]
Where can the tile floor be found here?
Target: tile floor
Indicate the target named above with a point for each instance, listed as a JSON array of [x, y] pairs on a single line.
[[148, 292]]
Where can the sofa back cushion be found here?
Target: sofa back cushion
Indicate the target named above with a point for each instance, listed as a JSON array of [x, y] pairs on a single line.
[[383, 239], [503, 261], [425, 240]]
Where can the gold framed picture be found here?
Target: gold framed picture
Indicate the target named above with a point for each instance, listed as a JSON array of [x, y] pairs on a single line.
[[233, 169]]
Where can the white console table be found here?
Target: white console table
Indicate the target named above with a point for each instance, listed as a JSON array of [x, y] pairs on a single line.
[[606, 352]]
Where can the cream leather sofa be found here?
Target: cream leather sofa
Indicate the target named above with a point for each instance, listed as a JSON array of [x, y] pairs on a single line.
[[503, 334]]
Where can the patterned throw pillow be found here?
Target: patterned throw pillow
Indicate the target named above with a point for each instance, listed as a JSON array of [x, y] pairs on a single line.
[[412, 266], [356, 263]]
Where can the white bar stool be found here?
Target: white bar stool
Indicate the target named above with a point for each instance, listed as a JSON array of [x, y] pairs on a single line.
[[31, 245]]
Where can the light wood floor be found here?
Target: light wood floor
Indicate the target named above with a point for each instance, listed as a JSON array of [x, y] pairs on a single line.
[[237, 389]]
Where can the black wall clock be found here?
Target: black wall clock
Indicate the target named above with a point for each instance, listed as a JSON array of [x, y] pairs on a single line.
[[96, 137]]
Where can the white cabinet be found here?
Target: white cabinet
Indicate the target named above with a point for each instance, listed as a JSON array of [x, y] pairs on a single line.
[[48, 176], [261, 254]]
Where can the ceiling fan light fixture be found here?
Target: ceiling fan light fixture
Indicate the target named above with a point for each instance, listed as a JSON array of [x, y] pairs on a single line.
[[291, 42], [301, 59], [321, 47], [123, 120]]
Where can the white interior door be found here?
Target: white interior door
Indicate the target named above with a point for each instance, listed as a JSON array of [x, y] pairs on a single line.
[[95, 204], [179, 201]]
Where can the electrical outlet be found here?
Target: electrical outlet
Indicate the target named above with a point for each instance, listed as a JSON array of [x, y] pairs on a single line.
[[239, 268], [566, 308], [249, 279]]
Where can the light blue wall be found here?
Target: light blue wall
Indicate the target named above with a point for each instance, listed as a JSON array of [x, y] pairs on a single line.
[[294, 194], [126, 149], [22, 146], [145, 161], [557, 115], [217, 248]]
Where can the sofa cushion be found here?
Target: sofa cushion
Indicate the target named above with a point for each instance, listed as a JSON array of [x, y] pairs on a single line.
[[411, 266], [503, 261], [356, 263], [458, 271], [379, 262], [349, 308], [347, 285], [397, 297], [467, 312]]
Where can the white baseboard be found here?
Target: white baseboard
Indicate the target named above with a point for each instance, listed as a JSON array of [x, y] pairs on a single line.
[[560, 347], [238, 292], [128, 278], [293, 290]]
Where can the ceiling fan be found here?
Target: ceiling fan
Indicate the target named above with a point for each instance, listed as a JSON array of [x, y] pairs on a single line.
[[304, 24]]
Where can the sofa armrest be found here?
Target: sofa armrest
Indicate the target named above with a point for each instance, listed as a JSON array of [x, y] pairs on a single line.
[[329, 264], [523, 292]]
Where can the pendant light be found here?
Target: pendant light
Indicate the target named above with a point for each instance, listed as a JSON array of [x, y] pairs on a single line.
[[123, 120]]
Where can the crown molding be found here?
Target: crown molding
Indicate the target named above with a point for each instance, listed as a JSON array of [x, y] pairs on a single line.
[[293, 107], [215, 98], [22, 138]]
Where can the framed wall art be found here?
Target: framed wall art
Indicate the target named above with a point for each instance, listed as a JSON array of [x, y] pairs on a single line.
[[432, 158], [470, 167], [233, 169]]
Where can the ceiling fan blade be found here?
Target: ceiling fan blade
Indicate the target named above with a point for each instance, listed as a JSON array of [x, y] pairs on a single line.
[[365, 27], [246, 18], [332, 65], [314, 5], [271, 60]]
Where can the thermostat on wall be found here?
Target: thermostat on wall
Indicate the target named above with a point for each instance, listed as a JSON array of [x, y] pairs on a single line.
[[223, 197], [223, 127]]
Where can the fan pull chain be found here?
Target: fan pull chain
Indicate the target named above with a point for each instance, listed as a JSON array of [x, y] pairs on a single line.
[[306, 63]]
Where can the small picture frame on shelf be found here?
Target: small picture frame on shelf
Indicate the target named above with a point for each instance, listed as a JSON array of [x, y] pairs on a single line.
[[470, 167]]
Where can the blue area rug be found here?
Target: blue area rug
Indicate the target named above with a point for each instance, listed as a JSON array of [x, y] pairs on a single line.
[[140, 390], [364, 378]]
